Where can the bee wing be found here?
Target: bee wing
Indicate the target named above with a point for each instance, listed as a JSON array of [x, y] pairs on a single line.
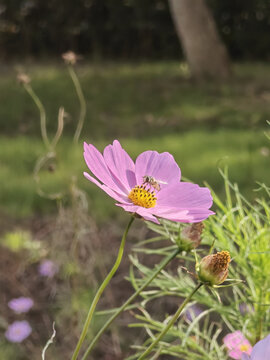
[[162, 182]]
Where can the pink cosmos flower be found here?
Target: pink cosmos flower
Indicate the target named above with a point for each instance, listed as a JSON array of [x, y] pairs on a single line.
[[260, 351], [150, 188], [21, 304], [18, 331], [237, 344]]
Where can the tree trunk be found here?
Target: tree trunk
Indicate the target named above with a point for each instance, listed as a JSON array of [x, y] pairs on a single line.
[[195, 26]]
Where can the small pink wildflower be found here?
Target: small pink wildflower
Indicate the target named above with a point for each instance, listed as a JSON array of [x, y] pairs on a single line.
[[237, 344], [150, 187], [18, 331], [48, 268], [21, 304], [70, 57]]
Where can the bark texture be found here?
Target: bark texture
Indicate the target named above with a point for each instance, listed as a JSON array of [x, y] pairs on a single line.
[[195, 26]]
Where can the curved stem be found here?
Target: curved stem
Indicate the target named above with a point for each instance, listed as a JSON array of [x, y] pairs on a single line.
[[41, 162], [42, 113], [100, 291], [81, 98], [130, 299], [170, 323], [60, 127]]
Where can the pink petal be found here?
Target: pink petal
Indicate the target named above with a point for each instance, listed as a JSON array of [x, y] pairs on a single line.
[[235, 354], [120, 164], [118, 197], [249, 347], [129, 207], [143, 212], [147, 215], [98, 167], [184, 195], [161, 166], [233, 339], [186, 216], [166, 212]]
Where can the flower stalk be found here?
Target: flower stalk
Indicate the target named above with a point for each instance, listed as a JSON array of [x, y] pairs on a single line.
[[100, 291], [170, 323], [82, 101], [42, 113], [162, 265]]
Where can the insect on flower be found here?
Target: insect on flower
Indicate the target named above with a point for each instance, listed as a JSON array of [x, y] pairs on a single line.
[[135, 187], [151, 181]]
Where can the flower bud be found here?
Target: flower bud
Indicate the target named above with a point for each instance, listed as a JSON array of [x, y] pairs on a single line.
[[213, 268], [70, 58], [23, 78], [191, 235]]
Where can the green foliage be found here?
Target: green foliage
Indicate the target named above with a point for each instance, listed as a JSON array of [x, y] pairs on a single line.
[[22, 240], [127, 100], [240, 227]]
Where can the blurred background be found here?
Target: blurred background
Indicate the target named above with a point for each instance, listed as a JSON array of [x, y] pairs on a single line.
[[191, 77]]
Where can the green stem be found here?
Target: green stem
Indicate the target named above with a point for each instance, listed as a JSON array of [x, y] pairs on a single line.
[[260, 322], [60, 126], [42, 113], [130, 299], [81, 98], [100, 291], [170, 323]]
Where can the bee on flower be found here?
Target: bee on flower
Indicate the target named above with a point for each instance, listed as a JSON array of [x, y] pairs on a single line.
[[150, 187]]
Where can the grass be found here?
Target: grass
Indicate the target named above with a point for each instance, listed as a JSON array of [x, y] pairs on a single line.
[[125, 100], [146, 106]]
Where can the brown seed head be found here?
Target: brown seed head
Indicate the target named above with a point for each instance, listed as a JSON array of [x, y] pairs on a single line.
[[214, 268]]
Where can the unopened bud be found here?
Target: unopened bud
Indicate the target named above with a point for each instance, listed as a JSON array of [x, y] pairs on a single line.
[[191, 235], [23, 78], [70, 57], [213, 268]]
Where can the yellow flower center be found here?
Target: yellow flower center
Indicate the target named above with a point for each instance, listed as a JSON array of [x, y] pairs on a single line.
[[244, 347], [142, 197]]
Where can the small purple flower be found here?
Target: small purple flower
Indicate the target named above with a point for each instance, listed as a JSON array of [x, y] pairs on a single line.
[[237, 344], [21, 304], [245, 308], [18, 331], [48, 268], [261, 351], [192, 312], [150, 187]]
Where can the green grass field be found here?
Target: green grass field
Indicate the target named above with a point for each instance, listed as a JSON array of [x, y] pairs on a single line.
[[148, 106], [136, 100]]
